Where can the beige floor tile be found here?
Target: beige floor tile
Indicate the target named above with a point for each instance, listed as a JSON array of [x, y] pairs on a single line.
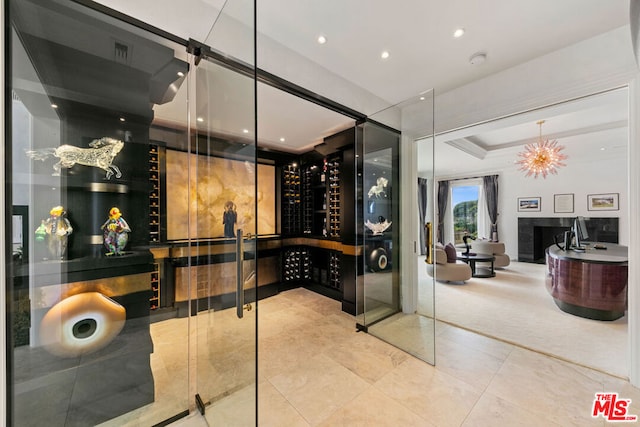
[[273, 323], [274, 410], [285, 351], [492, 411], [465, 363], [411, 332], [473, 340], [315, 369], [625, 391], [547, 386], [374, 408], [433, 395], [237, 409], [319, 388], [324, 306], [367, 356]]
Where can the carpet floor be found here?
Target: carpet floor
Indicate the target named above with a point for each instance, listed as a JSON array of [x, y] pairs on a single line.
[[514, 306]]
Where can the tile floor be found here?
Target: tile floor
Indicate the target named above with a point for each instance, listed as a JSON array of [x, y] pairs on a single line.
[[316, 370]]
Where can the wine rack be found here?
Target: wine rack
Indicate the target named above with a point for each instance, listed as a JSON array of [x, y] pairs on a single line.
[[154, 194], [291, 203], [334, 198], [155, 287], [296, 264], [335, 279], [307, 200]]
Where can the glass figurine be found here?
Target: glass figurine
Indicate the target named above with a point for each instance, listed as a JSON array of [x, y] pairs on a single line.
[[116, 233], [100, 155], [55, 231]]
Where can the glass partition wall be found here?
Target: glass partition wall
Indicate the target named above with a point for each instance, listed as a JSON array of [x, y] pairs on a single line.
[[225, 173], [395, 296], [133, 192]]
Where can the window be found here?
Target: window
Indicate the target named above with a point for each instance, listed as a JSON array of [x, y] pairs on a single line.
[[464, 202], [466, 211]]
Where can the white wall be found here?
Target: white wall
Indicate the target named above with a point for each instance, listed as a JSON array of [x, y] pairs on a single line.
[[600, 63], [595, 176], [597, 64]]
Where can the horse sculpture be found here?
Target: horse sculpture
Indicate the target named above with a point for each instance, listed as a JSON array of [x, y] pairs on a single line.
[[100, 155], [379, 190]]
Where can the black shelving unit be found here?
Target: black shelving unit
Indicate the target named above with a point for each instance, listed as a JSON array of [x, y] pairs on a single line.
[[333, 167], [335, 277], [291, 186], [155, 287], [154, 194], [307, 201], [327, 198], [296, 264]]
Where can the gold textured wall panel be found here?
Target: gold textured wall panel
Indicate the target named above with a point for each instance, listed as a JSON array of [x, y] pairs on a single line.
[[201, 195], [46, 296], [217, 279]]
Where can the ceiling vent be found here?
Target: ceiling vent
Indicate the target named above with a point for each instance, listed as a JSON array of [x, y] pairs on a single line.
[[121, 53]]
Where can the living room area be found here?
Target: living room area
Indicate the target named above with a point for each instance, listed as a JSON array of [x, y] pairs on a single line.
[[513, 303]]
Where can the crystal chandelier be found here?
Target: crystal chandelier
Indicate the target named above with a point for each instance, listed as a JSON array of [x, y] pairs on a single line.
[[541, 158]]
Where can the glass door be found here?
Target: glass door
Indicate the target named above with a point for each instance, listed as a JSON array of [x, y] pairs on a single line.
[[223, 220], [94, 338], [132, 167], [396, 299]]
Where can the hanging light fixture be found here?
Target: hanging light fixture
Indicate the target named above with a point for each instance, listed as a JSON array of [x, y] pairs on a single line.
[[541, 158]]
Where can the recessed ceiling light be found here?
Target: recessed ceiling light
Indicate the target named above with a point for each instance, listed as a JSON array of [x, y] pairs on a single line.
[[602, 149], [422, 98], [459, 32], [322, 39], [54, 106], [122, 119], [282, 139], [245, 130], [200, 119], [180, 74], [384, 54]]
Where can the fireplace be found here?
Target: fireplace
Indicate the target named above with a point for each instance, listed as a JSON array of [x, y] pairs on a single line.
[[535, 235]]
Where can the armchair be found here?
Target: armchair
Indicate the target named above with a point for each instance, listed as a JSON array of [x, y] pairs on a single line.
[[444, 271], [492, 248]]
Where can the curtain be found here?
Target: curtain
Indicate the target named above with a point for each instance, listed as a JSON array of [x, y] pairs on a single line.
[[443, 199], [422, 212], [490, 184], [635, 28]]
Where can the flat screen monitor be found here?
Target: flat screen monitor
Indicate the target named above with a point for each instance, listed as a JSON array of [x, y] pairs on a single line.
[[580, 231]]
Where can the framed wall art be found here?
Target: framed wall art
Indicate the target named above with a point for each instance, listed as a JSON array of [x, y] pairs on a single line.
[[563, 203], [603, 202], [529, 204]]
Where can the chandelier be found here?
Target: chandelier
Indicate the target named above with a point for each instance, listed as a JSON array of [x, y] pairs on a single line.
[[541, 158]]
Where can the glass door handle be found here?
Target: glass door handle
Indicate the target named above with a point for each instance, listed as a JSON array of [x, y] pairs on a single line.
[[239, 274]]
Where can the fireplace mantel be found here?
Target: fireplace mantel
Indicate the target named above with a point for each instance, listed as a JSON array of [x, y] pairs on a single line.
[[535, 234]]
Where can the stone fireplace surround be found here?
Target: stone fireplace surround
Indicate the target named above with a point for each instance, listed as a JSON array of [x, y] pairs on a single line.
[[535, 234]]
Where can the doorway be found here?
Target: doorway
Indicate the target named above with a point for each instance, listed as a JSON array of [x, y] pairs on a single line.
[[597, 147]]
